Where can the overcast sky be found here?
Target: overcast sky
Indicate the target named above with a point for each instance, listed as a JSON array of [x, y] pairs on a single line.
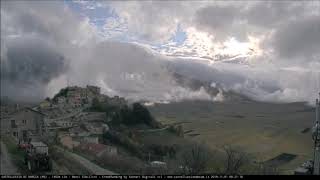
[[267, 50]]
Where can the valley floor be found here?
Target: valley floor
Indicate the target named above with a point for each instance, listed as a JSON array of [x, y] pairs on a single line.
[[262, 129]]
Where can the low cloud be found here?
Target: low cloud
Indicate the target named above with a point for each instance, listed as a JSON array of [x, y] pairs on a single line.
[[265, 82]]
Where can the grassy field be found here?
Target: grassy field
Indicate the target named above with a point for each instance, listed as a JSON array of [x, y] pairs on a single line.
[[262, 129]]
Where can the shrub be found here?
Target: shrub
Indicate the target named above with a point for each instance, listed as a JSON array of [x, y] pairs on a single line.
[[141, 114], [63, 92], [138, 114]]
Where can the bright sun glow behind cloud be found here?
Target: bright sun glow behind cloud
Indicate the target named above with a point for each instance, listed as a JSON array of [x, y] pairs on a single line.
[[202, 44], [234, 47]]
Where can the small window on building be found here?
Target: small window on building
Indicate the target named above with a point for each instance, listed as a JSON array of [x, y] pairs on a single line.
[[24, 121], [13, 124], [15, 134]]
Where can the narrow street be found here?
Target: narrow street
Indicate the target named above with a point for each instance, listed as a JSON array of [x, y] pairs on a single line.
[[6, 165]]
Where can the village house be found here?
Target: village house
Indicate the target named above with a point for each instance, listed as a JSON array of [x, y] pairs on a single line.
[[74, 96], [24, 124], [61, 101], [78, 132], [93, 92], [90, 139], [116, 101], [51, 129], [68, 142], [64, 123], [45, 104], [98, 150], [97, 127], [78, 96]]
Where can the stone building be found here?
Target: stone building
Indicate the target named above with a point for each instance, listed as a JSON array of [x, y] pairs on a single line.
[[116, 101], [97, 128], [78, 96], [45, 104], [75, 96], [68, 142], [78, 132], [61, 101], [64, 123], [98, 150], [93, 92], [23, 124]]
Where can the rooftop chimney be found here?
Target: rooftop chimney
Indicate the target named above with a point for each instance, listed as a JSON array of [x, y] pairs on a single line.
[[17, 107]]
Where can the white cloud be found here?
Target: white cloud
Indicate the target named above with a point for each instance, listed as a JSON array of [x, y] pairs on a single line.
[[132, 69]]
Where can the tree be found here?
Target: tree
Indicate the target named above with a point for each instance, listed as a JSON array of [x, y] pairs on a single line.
[[62, 93], [126, 115], [235, 160], [140, 114], [194, 160]]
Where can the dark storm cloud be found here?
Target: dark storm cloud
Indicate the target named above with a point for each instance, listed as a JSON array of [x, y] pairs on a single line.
[[29, 60], [29, 65], [270, 14], [298, 39], [35, 41], [296, 27], [50, 20], [220, 21]]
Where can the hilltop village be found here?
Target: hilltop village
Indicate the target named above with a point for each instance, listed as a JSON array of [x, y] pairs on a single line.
[[63, 116], [107, 130], [87, 132]]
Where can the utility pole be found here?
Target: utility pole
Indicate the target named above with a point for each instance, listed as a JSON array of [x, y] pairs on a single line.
[[313, 167], [316, 138]]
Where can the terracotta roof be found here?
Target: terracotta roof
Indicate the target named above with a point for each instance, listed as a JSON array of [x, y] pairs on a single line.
[[93, 147]]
